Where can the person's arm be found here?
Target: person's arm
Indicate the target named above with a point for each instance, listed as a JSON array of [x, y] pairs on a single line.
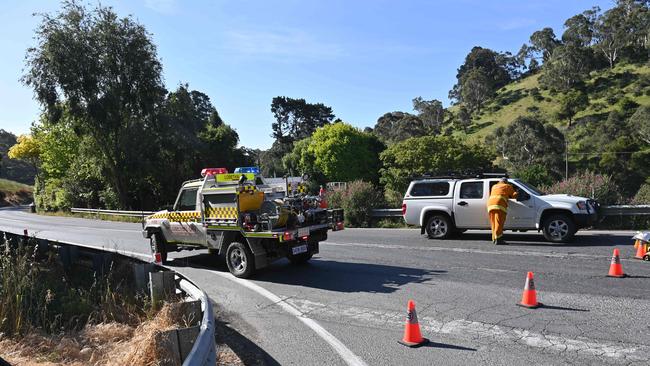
[[514, 193]]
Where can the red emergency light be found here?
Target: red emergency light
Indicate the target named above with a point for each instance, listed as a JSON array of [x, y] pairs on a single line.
[[213, 171]]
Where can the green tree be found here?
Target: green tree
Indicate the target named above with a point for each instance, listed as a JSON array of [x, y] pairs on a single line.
[[475, 90], [106, 71], [640, 122], [612, 33], [528, 141], [438, 154], [295, 119], [571, 103], [543, 42], [431, 113], [579, 29], [567, 68], [464, 118], [344, 153], [398, 126], [496, 67]]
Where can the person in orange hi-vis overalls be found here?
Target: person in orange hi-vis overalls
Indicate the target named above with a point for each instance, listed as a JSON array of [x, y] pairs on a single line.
[[497, 207]]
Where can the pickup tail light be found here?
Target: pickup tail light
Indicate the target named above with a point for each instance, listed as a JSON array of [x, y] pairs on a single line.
[[403, 209], [288, 235]]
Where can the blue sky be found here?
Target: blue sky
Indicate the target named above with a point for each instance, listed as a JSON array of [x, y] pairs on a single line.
[[363, 58]]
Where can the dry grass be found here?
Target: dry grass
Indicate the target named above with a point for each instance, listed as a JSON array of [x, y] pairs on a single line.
[[98, 345]]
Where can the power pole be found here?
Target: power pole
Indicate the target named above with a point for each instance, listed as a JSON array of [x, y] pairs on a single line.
[[566, 159]]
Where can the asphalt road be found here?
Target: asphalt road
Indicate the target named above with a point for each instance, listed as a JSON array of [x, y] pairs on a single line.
[[465, 290]]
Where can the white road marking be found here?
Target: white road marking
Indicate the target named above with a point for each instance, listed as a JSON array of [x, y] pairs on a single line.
[[346, 354], [467, 250], [472, 329]]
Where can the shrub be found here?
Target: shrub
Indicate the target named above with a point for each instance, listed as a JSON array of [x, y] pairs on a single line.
[[642, 197], [393, 198], [588, 184], [357, 201], [535, 174]]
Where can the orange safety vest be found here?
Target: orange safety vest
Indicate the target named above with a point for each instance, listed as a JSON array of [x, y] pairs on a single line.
[[499, 196]]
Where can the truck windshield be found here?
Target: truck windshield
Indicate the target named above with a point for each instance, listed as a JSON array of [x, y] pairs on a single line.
[[529, 187]]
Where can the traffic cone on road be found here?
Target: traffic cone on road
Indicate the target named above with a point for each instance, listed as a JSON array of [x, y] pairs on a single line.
[[615, 268], [529, 297], [412, 336], [157, 258], [640, 249]]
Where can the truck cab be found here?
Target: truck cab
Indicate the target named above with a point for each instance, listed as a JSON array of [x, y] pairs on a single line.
[[442, 207], [243, 219]]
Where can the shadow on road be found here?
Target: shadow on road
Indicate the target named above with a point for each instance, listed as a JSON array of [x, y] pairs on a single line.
[[327, 274], [515, 239], [448, 346], [551, 307], [347, 277]]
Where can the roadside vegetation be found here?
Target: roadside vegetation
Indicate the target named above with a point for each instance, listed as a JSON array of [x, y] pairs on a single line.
[[581, 95], [53, 315], [14, 193]]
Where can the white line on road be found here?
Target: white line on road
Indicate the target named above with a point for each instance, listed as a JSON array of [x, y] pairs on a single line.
[[466, 250], [346, 354]]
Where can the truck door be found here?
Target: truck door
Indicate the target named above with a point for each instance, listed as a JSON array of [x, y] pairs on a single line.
[[521, 213], [521, 210], [185, 221], [470, 208]]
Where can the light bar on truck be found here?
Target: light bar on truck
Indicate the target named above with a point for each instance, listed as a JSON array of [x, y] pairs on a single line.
[[213, 171], [248, 169]]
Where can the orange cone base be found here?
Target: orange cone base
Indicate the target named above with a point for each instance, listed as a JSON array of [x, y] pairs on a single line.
[[530, 306], [413, 344], [618, 276]]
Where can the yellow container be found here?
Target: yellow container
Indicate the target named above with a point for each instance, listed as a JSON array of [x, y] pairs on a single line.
[[250, 201]]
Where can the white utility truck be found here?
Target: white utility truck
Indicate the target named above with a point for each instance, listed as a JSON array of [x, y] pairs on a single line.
[[443, 206], [241, 217]]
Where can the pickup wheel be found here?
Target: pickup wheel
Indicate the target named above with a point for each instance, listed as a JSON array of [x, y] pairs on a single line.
[[558, 228], [240, 260], [159, 245], [439, 227]]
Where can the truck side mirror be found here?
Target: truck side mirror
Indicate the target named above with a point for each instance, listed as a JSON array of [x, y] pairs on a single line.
[[522, 196]]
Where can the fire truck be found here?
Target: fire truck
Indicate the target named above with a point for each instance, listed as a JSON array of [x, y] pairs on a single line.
[[245, 218]]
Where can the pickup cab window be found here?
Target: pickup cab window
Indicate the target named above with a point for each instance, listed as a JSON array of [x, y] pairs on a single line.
[[430, 189], [471, 190], [187, 200]]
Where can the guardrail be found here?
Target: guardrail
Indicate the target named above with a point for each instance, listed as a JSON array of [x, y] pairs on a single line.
[[111, 212], [203, 351], [613, 210]]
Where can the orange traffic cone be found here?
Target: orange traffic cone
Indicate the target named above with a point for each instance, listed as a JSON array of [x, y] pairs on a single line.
[[529, 297], [412, 336], [640, 249], [615, 268]]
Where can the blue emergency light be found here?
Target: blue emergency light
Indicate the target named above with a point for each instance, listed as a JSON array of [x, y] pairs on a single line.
[[248, 169]]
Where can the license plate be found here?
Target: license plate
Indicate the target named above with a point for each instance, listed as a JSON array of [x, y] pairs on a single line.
[[304, 231], [299, 249]]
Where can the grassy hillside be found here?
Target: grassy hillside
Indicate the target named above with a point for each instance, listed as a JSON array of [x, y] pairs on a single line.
[[14, 193], [605, 88]]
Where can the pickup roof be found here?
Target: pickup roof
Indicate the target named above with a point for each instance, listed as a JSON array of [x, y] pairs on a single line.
[[442, 207]]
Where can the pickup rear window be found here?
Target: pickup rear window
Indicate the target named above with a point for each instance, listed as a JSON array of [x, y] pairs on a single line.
[[430, 189]]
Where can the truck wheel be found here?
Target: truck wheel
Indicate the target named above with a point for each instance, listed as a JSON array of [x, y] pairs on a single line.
[[439, 227], [159, 245], [558, 228], [300, 258], [240, 260]]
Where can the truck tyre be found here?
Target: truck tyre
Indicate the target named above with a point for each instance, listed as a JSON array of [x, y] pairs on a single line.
[[558, 228], [159, 245], [439, 226], [240, 260], [300, 259]]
